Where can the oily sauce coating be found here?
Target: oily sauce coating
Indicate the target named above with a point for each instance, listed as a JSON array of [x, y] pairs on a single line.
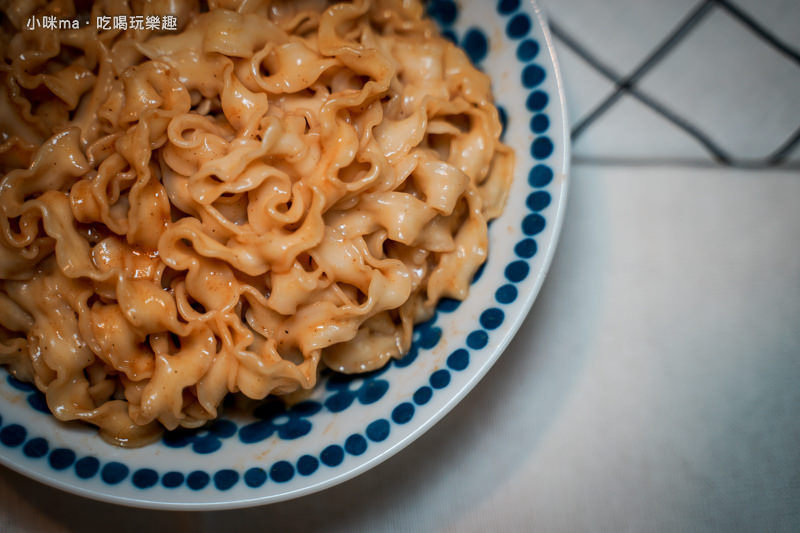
[[223, 208]]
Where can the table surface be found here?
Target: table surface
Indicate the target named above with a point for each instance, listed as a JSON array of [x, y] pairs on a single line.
[[654, 385]]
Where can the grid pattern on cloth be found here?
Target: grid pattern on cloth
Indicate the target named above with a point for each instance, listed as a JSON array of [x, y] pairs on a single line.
[[722, 76]]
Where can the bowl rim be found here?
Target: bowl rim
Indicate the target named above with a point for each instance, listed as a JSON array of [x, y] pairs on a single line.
[[561, 172]]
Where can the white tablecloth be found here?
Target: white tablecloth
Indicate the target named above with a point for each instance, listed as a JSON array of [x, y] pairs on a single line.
[[655, 385]]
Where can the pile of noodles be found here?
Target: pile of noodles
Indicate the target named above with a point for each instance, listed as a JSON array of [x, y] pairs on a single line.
[[224, 208]]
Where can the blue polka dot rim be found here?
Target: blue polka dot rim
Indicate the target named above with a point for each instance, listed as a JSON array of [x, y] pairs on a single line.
[[349, 423]]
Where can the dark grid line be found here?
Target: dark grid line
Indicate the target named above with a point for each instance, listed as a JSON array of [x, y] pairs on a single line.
[[607, 71], [666, 161], [719, 154], [760, 30], [626, 83], [778, 156]]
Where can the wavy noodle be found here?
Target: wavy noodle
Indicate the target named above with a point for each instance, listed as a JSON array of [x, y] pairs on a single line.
[[274, 187]]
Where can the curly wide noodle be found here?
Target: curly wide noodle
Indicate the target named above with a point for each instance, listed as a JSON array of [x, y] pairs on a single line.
[[224, 208]]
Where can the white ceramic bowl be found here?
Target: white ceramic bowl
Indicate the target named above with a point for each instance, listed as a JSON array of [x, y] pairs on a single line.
[[350, 424]]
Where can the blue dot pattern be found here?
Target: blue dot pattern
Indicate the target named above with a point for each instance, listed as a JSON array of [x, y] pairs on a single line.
[[536, 101], [448, 305], [532, 75], [114, 472], [255, 477], [332, 455], [477, 339], [423, 395], [378, 430], [506, 7], [492, 318], [526, 248], [36, 448], [225, 479], [172, 480], [87, 467], [145, 478], [440, 379], [443, 11], [62, 458], [540, 176], [541, 148], [539, 123], [518, 26], [282, 471], [403, 413], [517, 271], [538, 200], [197, 480], [293, 423], [355, 444], [532, 225], [13, 435], [475, 44], [307, 465], [506, 294], [458, 360], [527, 50]]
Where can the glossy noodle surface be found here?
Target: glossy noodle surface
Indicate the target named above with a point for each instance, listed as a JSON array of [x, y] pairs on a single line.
[[271, 188]]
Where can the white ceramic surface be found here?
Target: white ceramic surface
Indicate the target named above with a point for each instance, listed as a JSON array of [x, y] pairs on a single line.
[[348, 426]]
